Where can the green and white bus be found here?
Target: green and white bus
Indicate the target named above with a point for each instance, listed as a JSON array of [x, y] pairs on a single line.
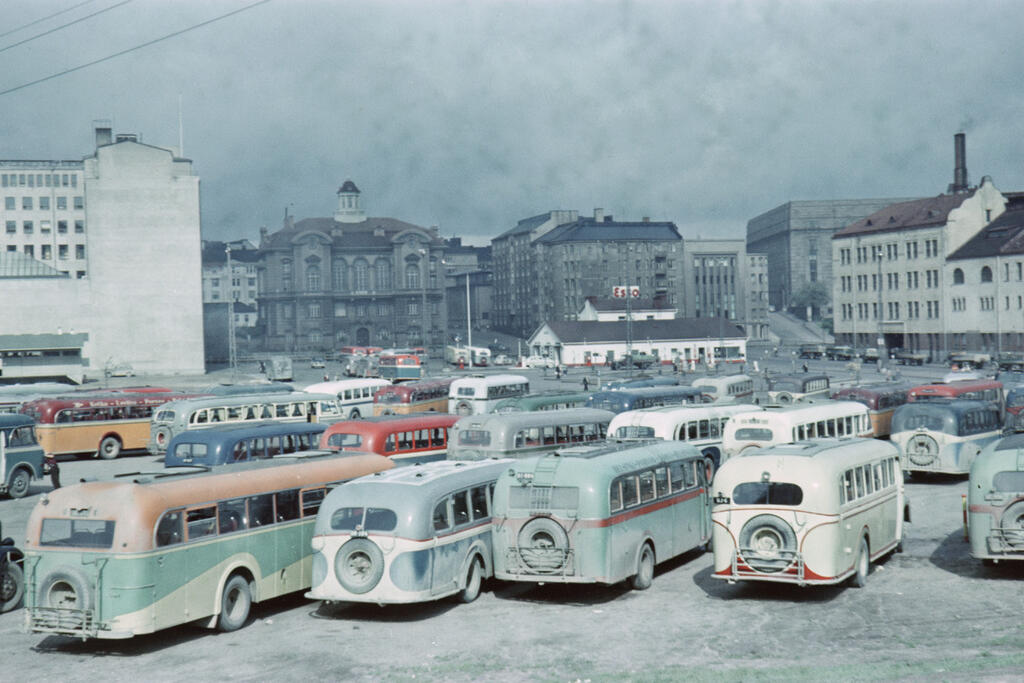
[[600, 514], [116, 559], [995, 501], [520, 435]]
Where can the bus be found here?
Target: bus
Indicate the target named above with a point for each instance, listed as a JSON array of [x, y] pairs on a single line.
[[241, 443], [102, 424], [1015, 408], [621, 400], [783, 389], [246, 389], [176, 417], [355, 396], [699, 425], [400, 368], [736, 388], [972, 389], [422, 437], [481, 393], [480, 355], [639, 383], [812, 513], [552, 400], [517, 435], [425, 396], [783, 424], [411, 534], [359, 350], [600, 513], [881, 401], [995, 501], [21, 457], [458, 355], [142, 553], [944, 436]]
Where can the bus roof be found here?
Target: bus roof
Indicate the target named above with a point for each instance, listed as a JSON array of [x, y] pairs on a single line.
[[11, 420], [247, 399], [538, 418], [489, 380], [254, 429], [137, 503], [956, 406], [340, 385], [388, 423], [432, 479], [801, 461]]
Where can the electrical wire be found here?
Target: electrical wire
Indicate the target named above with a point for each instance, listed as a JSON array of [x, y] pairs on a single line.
[[37, 21], [63, 26], [131, 49]]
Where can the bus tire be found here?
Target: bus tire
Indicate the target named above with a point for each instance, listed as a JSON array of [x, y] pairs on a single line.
[[110, 448], [644, 569], [354, 415], [1012, 523], [766, 537], [474, 579], [463, 408], [17, 485], [863, 565], [359, 565], [65, 588], [235, 602], [12, 586], [543, 545]]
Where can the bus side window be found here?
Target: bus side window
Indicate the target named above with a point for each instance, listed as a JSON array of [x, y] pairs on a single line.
[[878, 476], [615, 496], [630, 494], [405, 441], [859, 477], [704, 429], [691, 431], [201, 522], [460, 508], [273, 446], [647, 490], [168, 529], [281, 410], [311, 499], [851, 494], [422, 438], [437, 437], [549, 435], [266, 412], [231, 515], [199, 417], [261, 510], [690, 473], [286, 505], [440, 517], [478, 500], [715, 433], [389, 443], [661, 481]]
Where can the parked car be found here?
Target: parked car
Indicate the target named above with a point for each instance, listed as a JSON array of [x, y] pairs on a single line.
[[317, 363], [501, 359], [1010, 361], [12, 578], [904, 357], [538, 362], [811, 351], [870, 355], [964, 359], [840, 353]]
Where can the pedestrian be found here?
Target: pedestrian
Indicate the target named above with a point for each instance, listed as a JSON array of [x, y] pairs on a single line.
[[558, 372], [805, 367], [263, 368], [586, 384]]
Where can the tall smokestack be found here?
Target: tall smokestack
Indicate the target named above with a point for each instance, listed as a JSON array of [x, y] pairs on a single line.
[[960, 171]]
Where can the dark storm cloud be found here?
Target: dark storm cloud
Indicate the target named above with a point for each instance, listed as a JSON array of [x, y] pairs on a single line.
[[473, 115]]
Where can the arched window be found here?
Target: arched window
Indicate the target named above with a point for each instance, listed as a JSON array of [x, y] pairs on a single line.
[[383, 267], [986, 274], [286, 275], [958, 276], [360, 276], [340, 275], [412, 276], [313, 278]]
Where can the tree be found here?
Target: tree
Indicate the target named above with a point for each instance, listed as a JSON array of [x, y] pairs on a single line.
[[812, 295]]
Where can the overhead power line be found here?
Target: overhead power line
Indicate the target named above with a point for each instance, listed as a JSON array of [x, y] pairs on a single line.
[[131, 49], [51, 16], [63, 26]]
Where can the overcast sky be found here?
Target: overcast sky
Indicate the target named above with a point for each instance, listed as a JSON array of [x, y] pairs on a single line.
[[474, 115]]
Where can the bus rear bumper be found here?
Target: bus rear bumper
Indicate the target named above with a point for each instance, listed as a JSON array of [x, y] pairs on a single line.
[[69, 622]]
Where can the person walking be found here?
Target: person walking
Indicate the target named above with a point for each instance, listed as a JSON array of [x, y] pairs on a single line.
[[586, 384]]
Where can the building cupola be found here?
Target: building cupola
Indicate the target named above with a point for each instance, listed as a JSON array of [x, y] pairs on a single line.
[[349, 208]]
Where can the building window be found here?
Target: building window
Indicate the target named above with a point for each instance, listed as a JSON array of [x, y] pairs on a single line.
[[339, 276], [412, 276], [44, 227], [12, 227], [413, 308], [79, 226], [986, 274], [360, 276], [62, 251], [79, 251], [339, 309], [958, 276], [314, 310], [79, 203], [313, 278], [29, 250], [383, 274], [26, 203], [286, 275], [9, 203], [27, 227], [62, 203], [62, 227], [44, 203], [46, 254]]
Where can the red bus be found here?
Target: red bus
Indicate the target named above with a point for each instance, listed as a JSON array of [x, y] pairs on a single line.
[[104, 424], [360, 350], [401, 367], [425, 396], [416, 438], [881, 401], [978, 389]]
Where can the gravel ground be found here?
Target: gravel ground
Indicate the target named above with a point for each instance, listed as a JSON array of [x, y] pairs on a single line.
[[929, 613]]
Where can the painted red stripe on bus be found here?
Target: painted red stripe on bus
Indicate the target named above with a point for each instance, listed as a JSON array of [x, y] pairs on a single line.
[[643, 510]]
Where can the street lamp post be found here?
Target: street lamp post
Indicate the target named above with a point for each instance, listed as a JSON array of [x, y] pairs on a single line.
[[232, 343], [424, 254]]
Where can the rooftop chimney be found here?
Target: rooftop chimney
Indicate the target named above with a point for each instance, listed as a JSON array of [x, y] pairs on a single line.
[[960, 171], [104, 136], [599, 215]]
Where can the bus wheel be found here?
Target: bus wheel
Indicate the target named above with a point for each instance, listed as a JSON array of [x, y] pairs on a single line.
[[463, 409], [644, 569], [863, 566], [473, 581], [110, 447], [1012, 524], [17, 485], [234, 604], [12, 586], [354, 415]]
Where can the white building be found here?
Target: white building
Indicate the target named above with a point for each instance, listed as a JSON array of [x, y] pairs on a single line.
[[607, 310], [136, 288]]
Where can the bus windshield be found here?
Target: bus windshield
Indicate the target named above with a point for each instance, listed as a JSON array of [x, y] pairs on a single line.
[[934, 418], [753, 434], [77, 533]]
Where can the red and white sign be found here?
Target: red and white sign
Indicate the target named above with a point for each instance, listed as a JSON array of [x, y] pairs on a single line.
[[619, 292]]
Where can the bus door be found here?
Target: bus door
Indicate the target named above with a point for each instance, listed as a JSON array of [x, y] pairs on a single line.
[[442, 554]]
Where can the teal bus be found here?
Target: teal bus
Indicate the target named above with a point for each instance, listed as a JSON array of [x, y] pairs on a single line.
[[555, 400], [995, 501], [600, 514], [141, 553]]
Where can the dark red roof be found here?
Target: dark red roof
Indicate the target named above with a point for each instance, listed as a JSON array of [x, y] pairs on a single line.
[[918, 213]]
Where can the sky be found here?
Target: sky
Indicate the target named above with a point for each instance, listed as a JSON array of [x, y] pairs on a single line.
[[473, 115]]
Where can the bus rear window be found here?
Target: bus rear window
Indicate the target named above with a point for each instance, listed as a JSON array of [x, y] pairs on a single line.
[[474, 437], [164, 416], [371, 519], [77, 533], [767, 493], [1009, 481], [634, 432], [753, 434]]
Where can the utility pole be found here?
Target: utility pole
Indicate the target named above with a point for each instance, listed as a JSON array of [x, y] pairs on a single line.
[[232, 346]]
